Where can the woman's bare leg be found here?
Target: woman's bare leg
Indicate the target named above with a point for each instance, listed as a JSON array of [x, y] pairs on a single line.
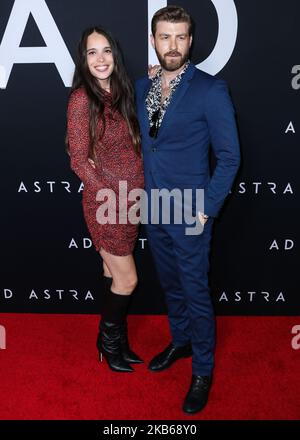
[[123, 272], [106, 271]]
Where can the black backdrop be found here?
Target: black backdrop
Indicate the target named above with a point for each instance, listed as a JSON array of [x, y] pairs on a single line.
[[47, 261]]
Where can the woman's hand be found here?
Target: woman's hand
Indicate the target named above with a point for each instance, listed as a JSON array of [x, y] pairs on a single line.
[[152, 70]]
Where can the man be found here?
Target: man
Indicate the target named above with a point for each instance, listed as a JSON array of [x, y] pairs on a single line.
[[182, 111]]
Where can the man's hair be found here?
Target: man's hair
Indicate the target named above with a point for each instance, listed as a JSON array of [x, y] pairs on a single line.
[[172, 14]]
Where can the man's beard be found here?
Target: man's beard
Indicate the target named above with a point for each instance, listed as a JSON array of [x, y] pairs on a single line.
[[171, 64]]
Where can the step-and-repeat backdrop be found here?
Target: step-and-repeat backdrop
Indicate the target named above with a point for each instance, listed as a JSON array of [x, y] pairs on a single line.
[[48, 263]]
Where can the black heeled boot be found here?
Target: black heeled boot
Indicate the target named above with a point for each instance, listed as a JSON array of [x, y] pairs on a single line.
[[128, 354], [109, 347], [110, 328]]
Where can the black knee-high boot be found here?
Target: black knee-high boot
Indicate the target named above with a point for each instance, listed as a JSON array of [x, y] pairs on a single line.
[[109, 337], [127, 353]]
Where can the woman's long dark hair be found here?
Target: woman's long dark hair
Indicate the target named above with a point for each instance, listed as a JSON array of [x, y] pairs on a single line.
[[120, 87]]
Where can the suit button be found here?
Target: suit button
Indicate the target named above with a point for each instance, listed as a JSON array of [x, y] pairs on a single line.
[[153, 149]]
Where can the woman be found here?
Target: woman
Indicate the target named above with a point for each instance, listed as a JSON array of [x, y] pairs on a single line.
[[104, 147]]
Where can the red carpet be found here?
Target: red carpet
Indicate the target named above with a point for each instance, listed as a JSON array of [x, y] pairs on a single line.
[[49, 370]]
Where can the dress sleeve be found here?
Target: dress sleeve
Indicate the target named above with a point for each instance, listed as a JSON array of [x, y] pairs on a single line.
[[79, 140]]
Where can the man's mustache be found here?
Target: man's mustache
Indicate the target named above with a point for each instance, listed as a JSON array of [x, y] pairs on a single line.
[[174, 53]]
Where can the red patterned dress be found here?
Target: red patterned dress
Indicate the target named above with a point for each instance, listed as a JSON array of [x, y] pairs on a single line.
[[115, 160]]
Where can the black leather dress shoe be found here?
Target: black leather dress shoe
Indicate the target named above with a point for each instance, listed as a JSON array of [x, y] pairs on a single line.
[[197, 396], [170, 354]]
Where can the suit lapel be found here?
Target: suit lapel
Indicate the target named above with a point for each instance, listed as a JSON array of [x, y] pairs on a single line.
[[178, 95]]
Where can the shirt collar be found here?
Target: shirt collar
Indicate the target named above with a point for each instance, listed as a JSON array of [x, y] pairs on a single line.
[[157, 77]]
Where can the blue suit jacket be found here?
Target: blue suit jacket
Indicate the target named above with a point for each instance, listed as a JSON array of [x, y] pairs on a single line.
[[200, 114]]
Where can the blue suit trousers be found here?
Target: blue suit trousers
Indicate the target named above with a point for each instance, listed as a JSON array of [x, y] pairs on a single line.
[[182, 264]]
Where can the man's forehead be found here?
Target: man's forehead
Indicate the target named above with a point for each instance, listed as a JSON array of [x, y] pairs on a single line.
[[163, 26]]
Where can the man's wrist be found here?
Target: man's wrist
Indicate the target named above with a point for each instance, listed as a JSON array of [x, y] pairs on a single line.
[[204, 215]]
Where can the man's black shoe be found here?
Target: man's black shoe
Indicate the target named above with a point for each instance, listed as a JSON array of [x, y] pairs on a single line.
[[197, 396], [170, 354]]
